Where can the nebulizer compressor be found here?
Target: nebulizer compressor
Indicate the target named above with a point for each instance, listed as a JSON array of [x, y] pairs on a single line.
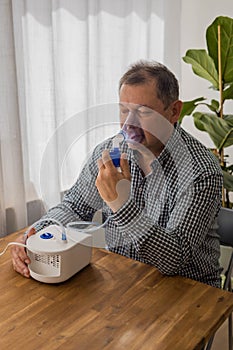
[[57, 253]]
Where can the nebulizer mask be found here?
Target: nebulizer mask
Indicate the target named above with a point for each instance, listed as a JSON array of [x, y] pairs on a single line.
[[143, 129], [133, 124], [125, 134]]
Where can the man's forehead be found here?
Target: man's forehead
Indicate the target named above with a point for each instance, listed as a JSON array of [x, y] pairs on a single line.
[[140, 94]]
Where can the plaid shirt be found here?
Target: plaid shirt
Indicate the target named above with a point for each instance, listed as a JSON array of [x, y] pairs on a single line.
[[169, 219]]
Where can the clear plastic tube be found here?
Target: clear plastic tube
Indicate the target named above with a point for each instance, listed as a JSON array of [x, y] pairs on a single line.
[[69, 225], [83, 223]]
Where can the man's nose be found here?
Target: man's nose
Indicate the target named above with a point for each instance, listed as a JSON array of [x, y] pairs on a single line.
[[132, 121]]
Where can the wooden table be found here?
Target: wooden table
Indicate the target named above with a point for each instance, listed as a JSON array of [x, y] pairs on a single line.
[[114, 303]]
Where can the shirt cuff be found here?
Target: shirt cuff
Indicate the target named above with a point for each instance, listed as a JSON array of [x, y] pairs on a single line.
[[126, 215]]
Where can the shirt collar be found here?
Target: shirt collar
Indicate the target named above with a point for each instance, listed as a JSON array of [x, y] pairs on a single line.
[[171, 144]]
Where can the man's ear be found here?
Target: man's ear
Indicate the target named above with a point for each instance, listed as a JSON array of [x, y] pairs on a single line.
[[175, 111]]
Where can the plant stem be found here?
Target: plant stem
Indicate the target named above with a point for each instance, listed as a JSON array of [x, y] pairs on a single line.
[[221, 152], [220, 71]]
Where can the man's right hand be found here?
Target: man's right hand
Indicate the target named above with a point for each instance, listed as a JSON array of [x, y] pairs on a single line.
[[19, 257]]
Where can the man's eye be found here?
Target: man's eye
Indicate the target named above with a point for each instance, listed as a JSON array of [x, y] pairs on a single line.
[[145, 112], [124, 111]]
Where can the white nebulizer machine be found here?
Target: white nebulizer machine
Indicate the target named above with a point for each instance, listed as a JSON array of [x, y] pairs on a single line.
[[57, 252]]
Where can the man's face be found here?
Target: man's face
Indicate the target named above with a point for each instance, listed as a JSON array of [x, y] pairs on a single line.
[[144, 117]]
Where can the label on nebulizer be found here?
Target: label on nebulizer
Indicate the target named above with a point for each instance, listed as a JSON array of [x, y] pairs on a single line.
[[115, 153]]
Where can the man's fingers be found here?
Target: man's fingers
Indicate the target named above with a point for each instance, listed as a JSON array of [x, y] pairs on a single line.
[[31, 232], [125, 166], [107, 160], [20, 260], [99, 163]]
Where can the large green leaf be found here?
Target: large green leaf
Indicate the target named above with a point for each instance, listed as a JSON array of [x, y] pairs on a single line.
[[226, 28], [202, 65], [227, 181], [229, 119], [188, 107], [199, 123], [213, 106], [219, 130], [228, 93]]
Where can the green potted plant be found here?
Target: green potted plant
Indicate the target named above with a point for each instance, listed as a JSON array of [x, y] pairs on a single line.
[[215, 65]]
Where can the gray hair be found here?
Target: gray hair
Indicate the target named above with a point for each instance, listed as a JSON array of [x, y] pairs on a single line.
[[166, 84]]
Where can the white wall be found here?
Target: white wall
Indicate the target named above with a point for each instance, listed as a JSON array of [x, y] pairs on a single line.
[[196, 16]]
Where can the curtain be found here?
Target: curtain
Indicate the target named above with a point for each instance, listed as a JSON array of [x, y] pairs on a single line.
[[61, 61]]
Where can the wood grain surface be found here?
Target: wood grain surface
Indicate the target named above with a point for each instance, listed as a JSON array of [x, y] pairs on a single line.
[[114, 303]]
